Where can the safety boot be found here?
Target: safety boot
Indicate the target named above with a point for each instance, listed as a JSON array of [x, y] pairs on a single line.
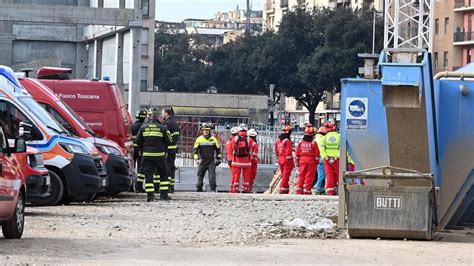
[[164, 195], [150, 197], [171, 189]]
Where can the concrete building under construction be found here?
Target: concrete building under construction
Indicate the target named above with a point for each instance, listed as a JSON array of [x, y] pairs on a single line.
[[106, 39]]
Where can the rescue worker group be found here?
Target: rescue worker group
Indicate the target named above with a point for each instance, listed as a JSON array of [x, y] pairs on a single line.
[[156, 135]]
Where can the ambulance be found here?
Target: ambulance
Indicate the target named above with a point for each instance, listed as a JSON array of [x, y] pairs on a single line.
[[75, 167]]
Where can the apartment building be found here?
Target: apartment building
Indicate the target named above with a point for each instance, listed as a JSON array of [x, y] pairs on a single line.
[[274, 10]]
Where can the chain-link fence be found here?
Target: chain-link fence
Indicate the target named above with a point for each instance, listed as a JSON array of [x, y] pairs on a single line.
[[267, 136]]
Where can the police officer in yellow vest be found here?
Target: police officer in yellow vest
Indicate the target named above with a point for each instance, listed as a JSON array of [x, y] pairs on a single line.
[[153, 140], [331, 153], [207, 154]]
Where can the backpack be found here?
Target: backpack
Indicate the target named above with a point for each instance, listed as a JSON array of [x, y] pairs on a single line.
[[242, 147]]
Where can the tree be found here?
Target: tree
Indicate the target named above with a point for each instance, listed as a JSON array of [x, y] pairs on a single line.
[[326, 50], [180, 62]]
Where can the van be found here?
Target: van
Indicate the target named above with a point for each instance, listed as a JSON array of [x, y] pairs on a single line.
[[99, 103], [75, 167], [38, 182], [118, 166], [12, 187]]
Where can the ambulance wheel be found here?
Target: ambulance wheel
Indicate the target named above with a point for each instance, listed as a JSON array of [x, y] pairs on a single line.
[[57, 192]]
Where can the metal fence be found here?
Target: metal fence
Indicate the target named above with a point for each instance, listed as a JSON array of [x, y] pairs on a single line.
[[189, 131]]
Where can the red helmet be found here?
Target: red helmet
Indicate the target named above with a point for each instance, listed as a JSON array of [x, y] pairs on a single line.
[[330, 126], [322, 130], [286, 129], [309, 130]]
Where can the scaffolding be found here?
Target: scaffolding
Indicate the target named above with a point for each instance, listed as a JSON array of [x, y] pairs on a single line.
[[408, 24]]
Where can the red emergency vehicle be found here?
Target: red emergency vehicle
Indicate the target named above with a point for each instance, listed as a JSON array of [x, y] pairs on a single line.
[[12, 187], [99, 103], [118, 166]]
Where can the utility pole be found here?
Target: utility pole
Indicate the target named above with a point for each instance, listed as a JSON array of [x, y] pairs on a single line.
[[247, 28]]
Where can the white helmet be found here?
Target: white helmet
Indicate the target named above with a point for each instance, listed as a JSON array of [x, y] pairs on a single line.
[[242, 127], [234, 130], [252, 132]]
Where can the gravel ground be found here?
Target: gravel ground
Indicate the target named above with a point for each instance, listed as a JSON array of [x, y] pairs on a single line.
[[203, 228]]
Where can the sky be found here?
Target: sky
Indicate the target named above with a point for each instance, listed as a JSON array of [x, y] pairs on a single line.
[[178, 10]]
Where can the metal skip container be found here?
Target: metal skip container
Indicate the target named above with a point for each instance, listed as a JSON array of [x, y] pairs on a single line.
[[388, 128]]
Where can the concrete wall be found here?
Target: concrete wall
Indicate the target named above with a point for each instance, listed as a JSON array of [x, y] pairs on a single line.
[[186, 178], [256, 104], [205, 100]]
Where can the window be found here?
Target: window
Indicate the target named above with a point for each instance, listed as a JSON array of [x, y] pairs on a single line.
[[446, 25], [56, 115], [445, 63], [145, 8], [3, 141], [299, 106], [436, 26], [436, 65], [468, 56], [10, 118], [43, 116]]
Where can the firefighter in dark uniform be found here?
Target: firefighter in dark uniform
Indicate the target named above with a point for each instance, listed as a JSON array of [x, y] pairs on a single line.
[[167, 116], [153, 140], [140, 117], [207, 155]]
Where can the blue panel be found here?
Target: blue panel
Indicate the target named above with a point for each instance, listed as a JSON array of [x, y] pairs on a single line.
[[368, 148], [455, 114]]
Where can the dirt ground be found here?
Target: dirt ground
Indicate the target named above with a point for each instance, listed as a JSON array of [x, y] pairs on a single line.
[[207, 228]]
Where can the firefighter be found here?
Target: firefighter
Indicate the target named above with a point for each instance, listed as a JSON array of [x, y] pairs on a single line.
[[207, 155], [283, 151], [320, 188], [153, 140], [254, 150], [167, 116], [241, 162], [140, 117], [330, 146], [228, 147], [307, 159]]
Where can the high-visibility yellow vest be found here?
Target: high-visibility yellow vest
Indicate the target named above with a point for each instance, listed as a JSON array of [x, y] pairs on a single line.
[[320, 142], [331, 144]]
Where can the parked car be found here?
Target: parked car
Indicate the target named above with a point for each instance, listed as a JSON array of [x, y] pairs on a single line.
[[12, 187]]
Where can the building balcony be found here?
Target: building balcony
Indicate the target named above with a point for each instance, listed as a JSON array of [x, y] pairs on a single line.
[[463, 38], [462, 6], [269, 6]]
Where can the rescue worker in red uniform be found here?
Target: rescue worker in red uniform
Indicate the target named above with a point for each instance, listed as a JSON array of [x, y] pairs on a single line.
[[330, 144], [228, 147], [241, 162], [284, 153], [254, 150], [307, 159]]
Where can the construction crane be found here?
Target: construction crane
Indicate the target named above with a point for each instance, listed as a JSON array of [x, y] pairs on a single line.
[[408, 24]]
